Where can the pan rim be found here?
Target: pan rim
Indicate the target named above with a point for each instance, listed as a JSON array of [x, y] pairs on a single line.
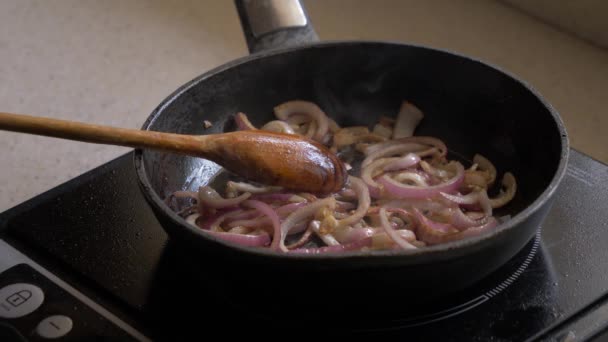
[[427, 254]]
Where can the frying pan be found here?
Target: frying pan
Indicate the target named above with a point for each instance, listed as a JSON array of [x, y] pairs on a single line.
[[472, 106]]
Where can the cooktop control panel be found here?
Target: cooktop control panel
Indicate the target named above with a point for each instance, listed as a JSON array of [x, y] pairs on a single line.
[[35, 308]]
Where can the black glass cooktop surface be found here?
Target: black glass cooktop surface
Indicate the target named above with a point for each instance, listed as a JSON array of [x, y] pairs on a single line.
[[97, 233]]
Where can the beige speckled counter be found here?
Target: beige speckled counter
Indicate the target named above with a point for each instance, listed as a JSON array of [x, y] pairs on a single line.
[[111, 62]]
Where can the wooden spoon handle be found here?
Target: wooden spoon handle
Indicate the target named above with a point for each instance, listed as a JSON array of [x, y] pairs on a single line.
[[98, 134]]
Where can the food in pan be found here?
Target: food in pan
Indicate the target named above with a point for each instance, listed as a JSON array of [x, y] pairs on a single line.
[[403, 191]]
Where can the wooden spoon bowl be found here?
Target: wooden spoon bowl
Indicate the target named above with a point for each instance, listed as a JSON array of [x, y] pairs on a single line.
[[287, 160]]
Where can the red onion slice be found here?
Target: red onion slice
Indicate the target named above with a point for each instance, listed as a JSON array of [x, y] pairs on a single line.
[[278, 126], [285, 110], [408, 118], [208, 197], [416, 177], [242, 239], [363, 200], [303, 239], [236, 187], [355, 246], [302, 214], [391, 150], [510, 187], [485, 165], [289, 208], [368, 172], [392, 233], [399, 190], [243, 123], [272, 215], [404, 162], [349, 234], [421, 140], [434, 233], [479, 198], [327, 238]]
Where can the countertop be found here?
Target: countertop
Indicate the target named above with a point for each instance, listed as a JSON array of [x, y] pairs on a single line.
[[111, 62]]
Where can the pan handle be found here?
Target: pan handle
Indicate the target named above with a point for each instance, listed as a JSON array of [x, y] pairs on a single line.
[[270, 24]]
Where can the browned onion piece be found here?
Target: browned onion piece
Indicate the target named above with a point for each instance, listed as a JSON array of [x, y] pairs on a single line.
[[208, 197], [302, 240], [392, 233], [301, 214], [421, 140], [408, 118], [363, 199], [409, 195], [278, 126], [243, 123], [485, 165], [509, 187], [285, 110], [354, 135]]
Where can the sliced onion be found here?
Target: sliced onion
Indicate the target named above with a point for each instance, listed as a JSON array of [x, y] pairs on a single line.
[[404, 162], [384, 241], [327, 238], [243, 123], [184, 194], [399, 190], [353, 135], [192, 219], [213, 222], [272, 215], [510, 187], [345, 206], [408, 118], [311, 130], [278, 126], [419, 179], [249, 240], [261, 221], [289, 208], [462, 221], [302, 214], [368, 172], [355, 246], [280, 197], [475, 179], [302, 240], [383, 130], [208, 197], [391, 150], [363, 200], [486, 165], [420, 140], [350, 234], [479, 198], [236, 187], [435, 233], [285, 110], [433, 171], [409, 203], [392, 233]]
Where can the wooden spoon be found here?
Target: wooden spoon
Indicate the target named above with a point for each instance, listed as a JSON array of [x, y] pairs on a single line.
[[290, 161]]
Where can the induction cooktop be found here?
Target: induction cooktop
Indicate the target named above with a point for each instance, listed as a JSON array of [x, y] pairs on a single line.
[[87, 260]]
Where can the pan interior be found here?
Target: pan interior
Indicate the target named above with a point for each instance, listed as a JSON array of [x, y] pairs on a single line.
[[471, 107]]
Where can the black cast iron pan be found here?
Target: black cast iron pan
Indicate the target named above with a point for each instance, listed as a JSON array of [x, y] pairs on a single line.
[[472, 106]]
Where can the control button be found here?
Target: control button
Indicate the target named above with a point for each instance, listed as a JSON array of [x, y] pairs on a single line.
[[19, 299], [54, 326]]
